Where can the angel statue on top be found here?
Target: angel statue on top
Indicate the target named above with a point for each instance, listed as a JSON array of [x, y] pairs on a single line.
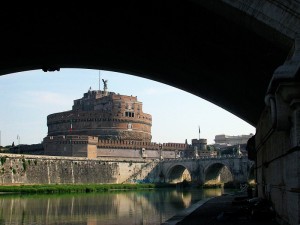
[[105, 84]]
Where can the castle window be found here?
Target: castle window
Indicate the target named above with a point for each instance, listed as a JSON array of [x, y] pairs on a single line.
[[129, 114]]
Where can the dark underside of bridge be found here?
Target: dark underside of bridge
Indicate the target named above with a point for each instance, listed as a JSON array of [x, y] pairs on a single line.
[[180, 43]]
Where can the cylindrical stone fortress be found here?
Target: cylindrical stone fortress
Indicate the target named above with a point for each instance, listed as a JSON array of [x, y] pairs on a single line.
[[103, 114]]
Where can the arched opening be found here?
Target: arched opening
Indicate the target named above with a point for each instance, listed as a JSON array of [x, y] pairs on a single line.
[[244, 56], [217, 174], [37, 94], [179, 174]]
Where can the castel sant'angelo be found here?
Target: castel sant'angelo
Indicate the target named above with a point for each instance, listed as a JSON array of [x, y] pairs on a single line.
[[108, 125]]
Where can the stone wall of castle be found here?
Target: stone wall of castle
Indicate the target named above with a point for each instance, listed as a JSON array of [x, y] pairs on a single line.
[[101, 124], [31, 169], [135, 150], [71, 145], [136, 154], [91, 147]]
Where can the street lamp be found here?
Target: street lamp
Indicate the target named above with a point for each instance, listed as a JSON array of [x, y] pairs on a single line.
[[160, 151]]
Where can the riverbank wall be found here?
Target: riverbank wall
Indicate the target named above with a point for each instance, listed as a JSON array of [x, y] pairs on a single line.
[[32, 169]]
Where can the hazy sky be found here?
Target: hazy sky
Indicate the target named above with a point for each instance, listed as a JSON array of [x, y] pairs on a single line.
[[28, 97]]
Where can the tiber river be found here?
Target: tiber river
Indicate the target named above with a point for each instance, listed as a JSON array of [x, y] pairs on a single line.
[[114, 207]]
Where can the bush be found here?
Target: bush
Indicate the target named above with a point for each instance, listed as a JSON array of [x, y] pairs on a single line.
[[3, 159], [24, 166], [71, 188]]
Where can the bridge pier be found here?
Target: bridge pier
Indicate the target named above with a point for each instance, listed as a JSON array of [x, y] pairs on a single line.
[[277, 141]]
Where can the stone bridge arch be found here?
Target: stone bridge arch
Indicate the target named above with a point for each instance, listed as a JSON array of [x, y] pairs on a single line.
[[178, 173], [218, 173], [235, 169]]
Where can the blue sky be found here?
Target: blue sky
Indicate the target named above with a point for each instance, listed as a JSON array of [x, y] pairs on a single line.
[[28, 97]]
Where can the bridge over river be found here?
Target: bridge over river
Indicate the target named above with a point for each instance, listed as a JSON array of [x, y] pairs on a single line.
[[31, 169], [204, 170]]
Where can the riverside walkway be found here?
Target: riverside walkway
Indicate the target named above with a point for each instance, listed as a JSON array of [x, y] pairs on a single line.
[[215, 211]]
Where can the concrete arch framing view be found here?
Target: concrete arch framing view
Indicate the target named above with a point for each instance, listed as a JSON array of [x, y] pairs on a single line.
[[243, 56]]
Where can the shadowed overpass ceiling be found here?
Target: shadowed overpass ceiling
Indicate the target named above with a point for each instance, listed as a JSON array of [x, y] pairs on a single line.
[[213, 50]]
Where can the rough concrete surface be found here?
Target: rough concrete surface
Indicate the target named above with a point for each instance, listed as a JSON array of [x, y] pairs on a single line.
[[219, 210]]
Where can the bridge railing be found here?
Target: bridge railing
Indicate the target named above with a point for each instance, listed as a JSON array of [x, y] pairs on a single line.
[[206, 157]]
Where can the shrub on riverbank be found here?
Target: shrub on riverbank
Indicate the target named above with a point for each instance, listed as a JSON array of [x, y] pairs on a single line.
[[76, 188]]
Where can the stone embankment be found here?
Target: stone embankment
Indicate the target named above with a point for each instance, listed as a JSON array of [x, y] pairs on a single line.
[[31, 169]]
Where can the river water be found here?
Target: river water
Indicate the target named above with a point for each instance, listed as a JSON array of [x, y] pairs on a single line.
[[114, 207]]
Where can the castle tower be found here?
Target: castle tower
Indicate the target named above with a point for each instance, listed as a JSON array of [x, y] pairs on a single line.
[[105, 115]]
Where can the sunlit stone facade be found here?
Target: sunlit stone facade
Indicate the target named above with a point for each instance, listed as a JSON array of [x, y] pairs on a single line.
[[105, 115]]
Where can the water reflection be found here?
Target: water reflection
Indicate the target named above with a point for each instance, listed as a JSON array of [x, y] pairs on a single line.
[[128, 207]]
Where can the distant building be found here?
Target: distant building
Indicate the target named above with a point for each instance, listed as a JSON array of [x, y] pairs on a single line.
[[199, 144], [233, 150], [198, 149], [231, 145], [226, 140]]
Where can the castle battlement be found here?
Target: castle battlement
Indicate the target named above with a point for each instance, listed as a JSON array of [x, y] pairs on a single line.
[[71, 139], [141, 145]]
